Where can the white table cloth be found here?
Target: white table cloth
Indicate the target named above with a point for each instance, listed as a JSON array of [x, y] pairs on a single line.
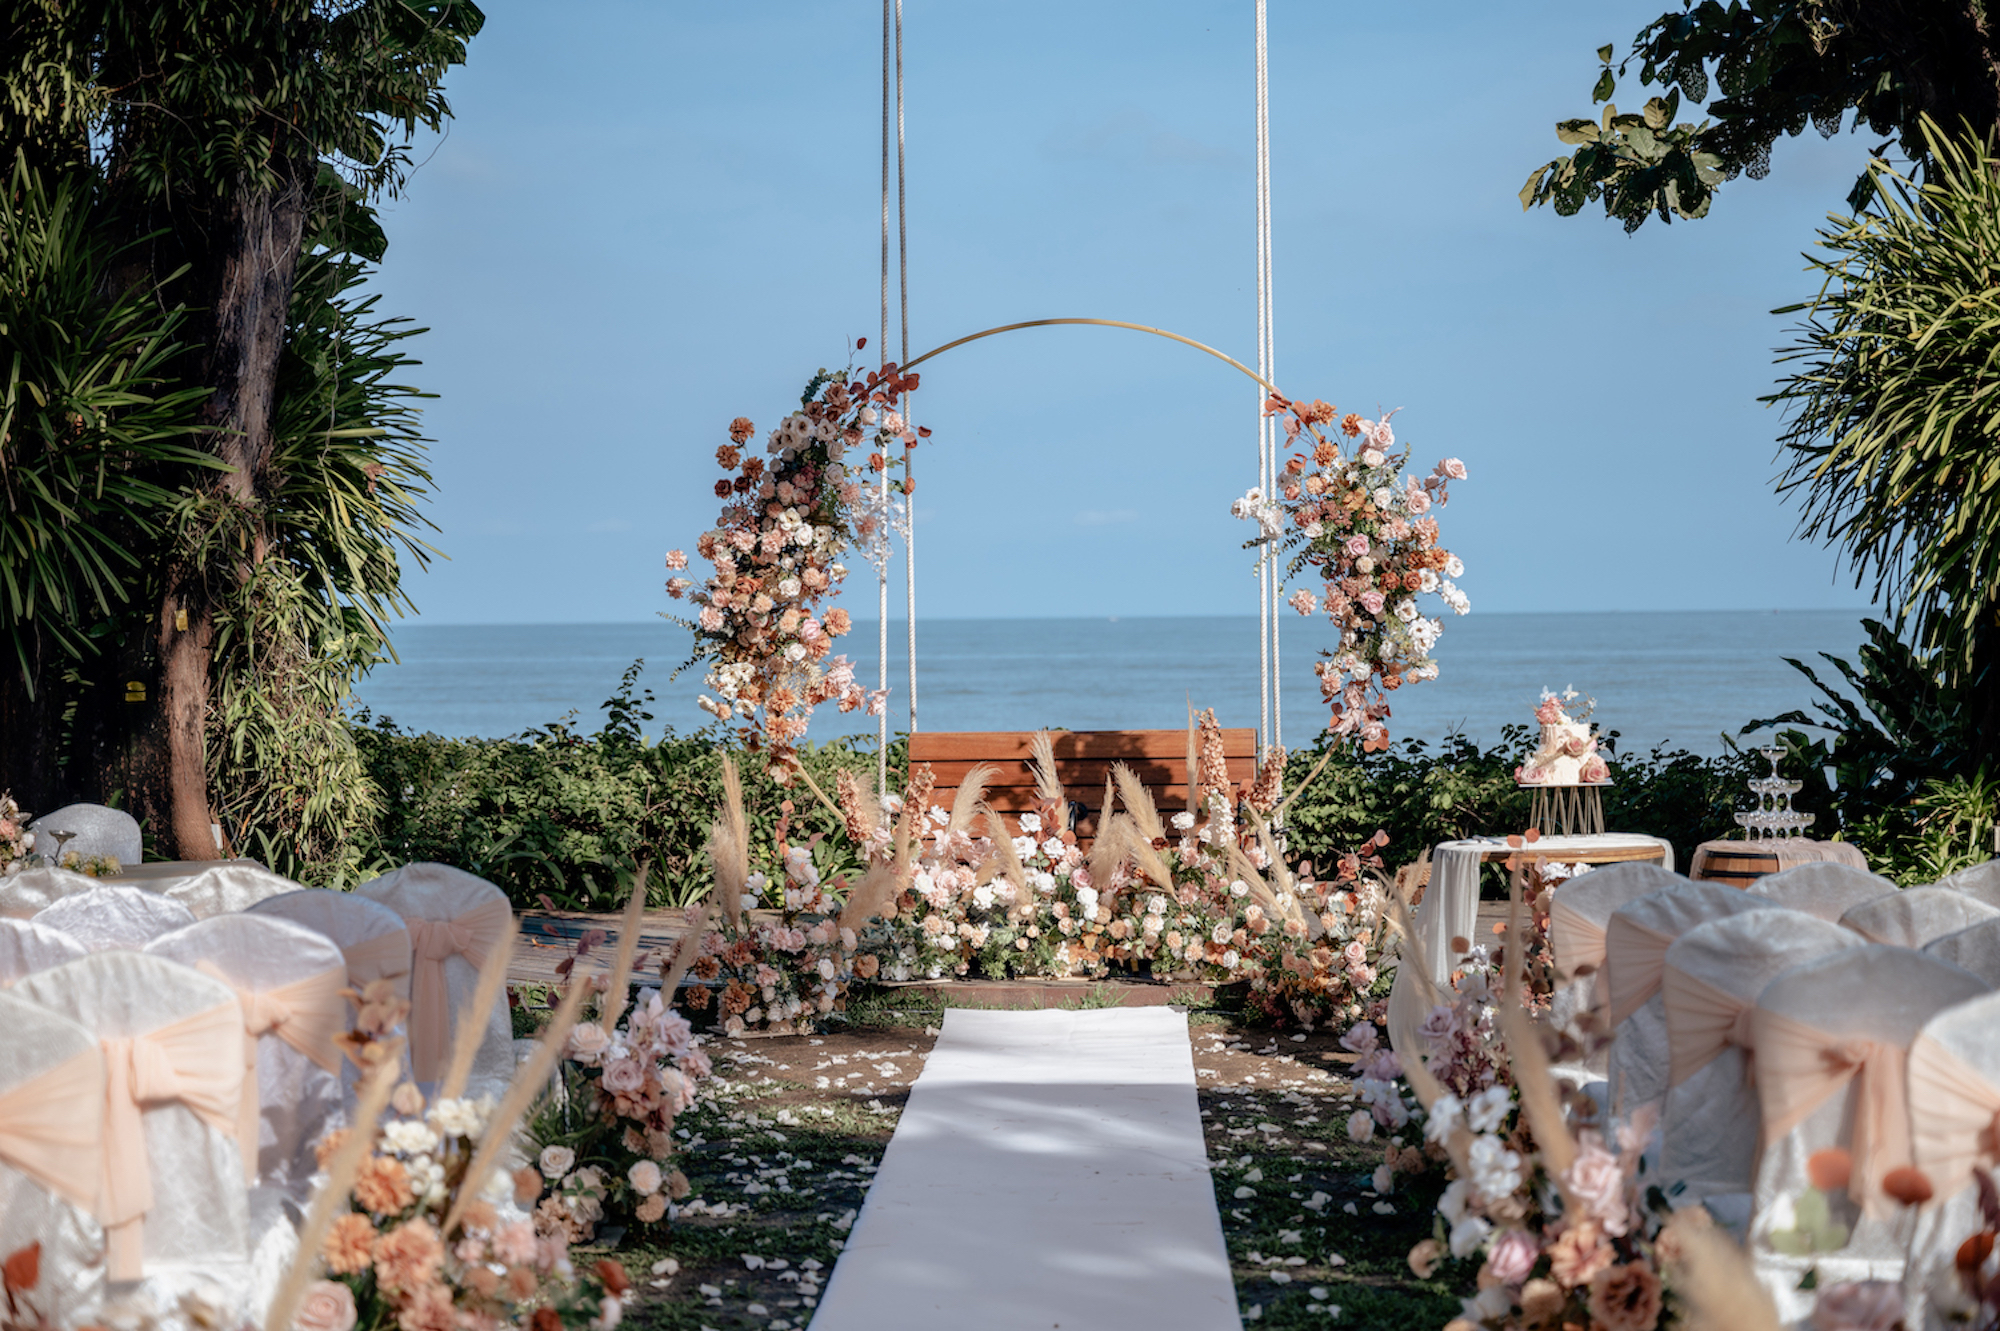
[[1450, 908]]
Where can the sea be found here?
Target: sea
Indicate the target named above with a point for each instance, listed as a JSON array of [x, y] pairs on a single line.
[[1685, 679]]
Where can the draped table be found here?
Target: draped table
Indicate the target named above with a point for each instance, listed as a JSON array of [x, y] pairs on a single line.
[[160, 875], [1450, 908]]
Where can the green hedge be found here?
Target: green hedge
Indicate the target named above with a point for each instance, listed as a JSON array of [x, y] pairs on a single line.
[[566, 816]]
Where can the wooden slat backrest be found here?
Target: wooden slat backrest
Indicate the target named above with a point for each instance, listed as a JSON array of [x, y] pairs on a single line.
[[1084, 758]]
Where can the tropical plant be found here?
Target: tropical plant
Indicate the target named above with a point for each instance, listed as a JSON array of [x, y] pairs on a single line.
[[1778, 66], [226, 133], [1891, 434], [89, 415]]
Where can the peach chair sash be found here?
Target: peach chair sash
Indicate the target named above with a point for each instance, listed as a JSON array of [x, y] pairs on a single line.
[[52, 1128], [1636, 956], [1578, 940], [196, 1062], [1955, 1118], [306, 1014], [383, 957], [432, 943], [1702, 1021], [1801, 1067]]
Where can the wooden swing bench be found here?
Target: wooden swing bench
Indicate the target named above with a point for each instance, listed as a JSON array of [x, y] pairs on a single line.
[[1084, 759]]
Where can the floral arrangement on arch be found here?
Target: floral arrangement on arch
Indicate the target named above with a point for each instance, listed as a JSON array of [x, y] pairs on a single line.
[[788, 517], [1365, 529]]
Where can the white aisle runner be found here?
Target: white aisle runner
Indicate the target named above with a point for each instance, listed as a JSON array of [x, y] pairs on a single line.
[[1048, 1174]]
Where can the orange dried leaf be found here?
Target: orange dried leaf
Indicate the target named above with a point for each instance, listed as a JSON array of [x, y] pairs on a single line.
[[1908, 1185], [1830, 1169], [22, 1270]]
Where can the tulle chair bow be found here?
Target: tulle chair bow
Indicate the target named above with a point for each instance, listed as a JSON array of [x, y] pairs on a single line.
[[306, 1014]]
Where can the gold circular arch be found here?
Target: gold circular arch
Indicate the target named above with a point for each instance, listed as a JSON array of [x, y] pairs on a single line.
[[1100, 323]]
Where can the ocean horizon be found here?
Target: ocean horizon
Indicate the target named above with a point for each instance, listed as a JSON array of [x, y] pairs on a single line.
[[1680, 678]]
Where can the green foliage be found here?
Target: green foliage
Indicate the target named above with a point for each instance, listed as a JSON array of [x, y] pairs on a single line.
[[297, 632], [555, 812], [1778, 66], [1893, 441], [86, 412]]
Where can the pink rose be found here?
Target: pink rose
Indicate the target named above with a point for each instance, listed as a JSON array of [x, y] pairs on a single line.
[[1511, 1256], [1594, 770], [587, 1043], [1357, 546], [711, 619], [1453, 468], [1361, 1038], [328, 1305], [1419, 501], [1596, 1179], [624, 1076], [677, 559], [1371, 601]]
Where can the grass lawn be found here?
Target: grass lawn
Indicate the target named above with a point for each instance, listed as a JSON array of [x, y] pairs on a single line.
[[782, 1151]]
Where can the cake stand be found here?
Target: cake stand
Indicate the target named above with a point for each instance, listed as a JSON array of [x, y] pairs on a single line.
[[1568, 810]]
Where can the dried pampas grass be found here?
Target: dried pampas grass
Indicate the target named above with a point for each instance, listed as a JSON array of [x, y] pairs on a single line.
[[1716, 1284], [613, 1006], [472, 1020], [874, 895], [965, 803], [1048, 786], [1138, 804], [1193, 765]]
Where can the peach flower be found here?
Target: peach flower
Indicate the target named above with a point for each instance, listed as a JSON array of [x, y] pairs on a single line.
[[1625, 1298], [1581, 1252], [429, 1309], [407, 1257], [349, 1245], [383, 1186]]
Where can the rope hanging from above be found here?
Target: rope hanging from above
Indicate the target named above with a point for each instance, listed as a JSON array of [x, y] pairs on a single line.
[[1270, 574], [892, 121]]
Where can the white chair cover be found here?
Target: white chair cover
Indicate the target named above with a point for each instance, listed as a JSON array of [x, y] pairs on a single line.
[[105, 918], [94, 829], [52, 1105], [1833, 1038], [1981, 881], [228, 887], [289, 980], [194, 1219], [26, 946], [453, 917], [1916, 916], [1821, 888], [1636, 943], [1578, 914], [1975, 948], [31, 891], [373, 939], [1709, 985], [1954, 1097]]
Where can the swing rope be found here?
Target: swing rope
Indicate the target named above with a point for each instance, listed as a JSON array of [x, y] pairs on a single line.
[[1270, 576]]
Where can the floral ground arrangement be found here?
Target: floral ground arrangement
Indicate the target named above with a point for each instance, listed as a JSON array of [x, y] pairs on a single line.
[[780, 1152]]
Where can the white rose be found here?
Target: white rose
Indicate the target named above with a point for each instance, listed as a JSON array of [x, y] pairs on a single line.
[[556, 1161], [1031, 822], [644, 1177]]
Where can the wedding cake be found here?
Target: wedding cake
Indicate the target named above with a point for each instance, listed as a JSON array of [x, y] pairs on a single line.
[[1567, 755]]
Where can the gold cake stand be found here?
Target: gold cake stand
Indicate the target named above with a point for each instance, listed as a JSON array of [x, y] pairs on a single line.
[[1568, 810]]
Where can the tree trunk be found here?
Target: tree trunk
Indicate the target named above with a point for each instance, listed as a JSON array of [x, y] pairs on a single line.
[[244, 282]]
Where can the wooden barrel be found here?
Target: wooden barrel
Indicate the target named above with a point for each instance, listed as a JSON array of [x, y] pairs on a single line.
[[1737, 863]]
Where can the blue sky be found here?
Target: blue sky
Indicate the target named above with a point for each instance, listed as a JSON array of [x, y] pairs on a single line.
[[649, 218]]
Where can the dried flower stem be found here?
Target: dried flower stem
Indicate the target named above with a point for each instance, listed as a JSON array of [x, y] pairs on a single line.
[[471, 1032], [341, 1170], [613, 1006]]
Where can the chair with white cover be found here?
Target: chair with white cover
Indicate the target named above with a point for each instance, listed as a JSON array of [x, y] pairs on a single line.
[[52, 1156], [105, 918], [1709, 985], [228, 887], [372, 939], [1916, 916], [26, 946], [1975, 948], [454, 920], [1833, 1038], [289, 982], [1581, 908], [1635, 954], [171, 1199], [30, 892], [1981, 881], [89, 829], [1821, 888], [1954, 1076]]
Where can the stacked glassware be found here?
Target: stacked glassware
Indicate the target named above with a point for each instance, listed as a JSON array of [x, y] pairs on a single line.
[[1774, 815]]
